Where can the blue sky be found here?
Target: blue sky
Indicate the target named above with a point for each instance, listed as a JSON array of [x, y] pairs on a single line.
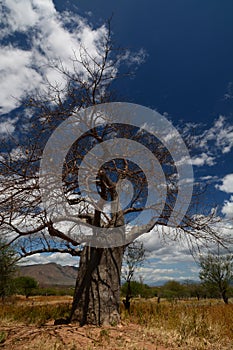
[[189, 46], [187, 75]]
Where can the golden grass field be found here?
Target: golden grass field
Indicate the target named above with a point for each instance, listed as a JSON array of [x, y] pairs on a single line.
[[189, 325]]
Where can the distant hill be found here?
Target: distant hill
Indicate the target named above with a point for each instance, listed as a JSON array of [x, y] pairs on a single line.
[[51, 274]]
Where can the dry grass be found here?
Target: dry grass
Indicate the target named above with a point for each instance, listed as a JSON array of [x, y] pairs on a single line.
[[185, 325], [34, 311], [189, 325]]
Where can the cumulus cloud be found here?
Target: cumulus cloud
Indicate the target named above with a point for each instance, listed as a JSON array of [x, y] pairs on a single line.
[[159, 244], [20, 15], [203, 159], [47, 38], [220, 134], [208, 144], [165, 259], [227, 184], [227, 209], [168, 259], [17, 76], [58, 258], [156, 275]]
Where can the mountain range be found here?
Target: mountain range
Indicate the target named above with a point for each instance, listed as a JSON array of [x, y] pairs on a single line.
[[50, 274]]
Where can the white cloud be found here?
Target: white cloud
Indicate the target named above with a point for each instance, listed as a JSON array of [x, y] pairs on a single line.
[[203, 159], [168, 259], [221, 133], [47, 39], [227, 209], [209, 178], [159, 244], [16, 76], [20, 14], [155, 275], [58, 258], [209, 144], [227, 184], [7, 127]]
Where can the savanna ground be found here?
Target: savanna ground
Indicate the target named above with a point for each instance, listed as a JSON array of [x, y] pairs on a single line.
[[189, 325]]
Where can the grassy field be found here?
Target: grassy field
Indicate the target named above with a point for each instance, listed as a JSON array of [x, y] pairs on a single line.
[[189, 325]]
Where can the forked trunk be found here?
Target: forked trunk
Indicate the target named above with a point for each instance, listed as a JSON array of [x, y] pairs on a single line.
[[97, 292]]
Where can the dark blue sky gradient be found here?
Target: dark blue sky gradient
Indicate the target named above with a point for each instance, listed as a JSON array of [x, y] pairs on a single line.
[[189, 47]]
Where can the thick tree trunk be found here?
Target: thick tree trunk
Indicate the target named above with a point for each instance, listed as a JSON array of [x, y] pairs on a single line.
[[97, 292]]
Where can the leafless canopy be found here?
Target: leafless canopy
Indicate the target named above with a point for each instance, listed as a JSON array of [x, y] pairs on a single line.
[[24, 220]]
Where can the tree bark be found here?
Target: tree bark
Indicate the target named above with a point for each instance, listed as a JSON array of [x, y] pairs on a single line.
[[126, 301], [224, 296], [97, 292]]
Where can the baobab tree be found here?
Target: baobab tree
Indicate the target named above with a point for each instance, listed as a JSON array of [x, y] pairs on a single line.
[[96, 214]]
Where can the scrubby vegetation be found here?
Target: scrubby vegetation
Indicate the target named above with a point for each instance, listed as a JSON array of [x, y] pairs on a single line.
[[38, 311], [174, 290], [185, 324]]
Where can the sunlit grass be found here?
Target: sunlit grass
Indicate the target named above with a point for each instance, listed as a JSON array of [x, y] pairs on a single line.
[[192, 325], [35, 311], [199, 325]]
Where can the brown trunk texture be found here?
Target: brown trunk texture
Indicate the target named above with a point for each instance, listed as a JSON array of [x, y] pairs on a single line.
[[97, 292]]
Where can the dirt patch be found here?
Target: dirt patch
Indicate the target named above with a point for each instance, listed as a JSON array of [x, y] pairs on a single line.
[[73, 337]]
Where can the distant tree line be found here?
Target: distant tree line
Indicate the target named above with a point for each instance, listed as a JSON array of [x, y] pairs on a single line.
[[174, 290], [216, 275]]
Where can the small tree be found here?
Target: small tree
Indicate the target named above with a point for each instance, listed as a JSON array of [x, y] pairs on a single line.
[[195, 290], [217, 273], [133, 258], [138, 289], [25, 284], [8, 260], [173, 290]]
